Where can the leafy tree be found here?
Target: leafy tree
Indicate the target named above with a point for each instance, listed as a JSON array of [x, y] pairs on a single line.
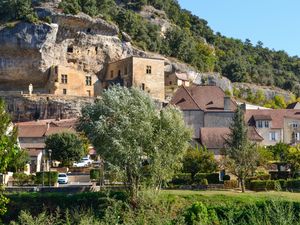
[[129, 132], [8, 139], [241, 155], [199, 160], [17, 10], [293, 159], [66, 147], [19, 161]]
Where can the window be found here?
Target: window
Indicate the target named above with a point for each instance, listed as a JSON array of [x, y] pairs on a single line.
[[266, 124], [273, 136], [88, 93], [143, 86], [111, 74], [119, 73], [64, 91], [148, 70], [88, 81], [259, 124], [64, 78], [297, 136], [126, 70], [294, 125]]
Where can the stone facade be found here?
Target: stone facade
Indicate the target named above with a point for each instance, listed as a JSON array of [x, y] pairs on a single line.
[[144, 73], [67, 81]]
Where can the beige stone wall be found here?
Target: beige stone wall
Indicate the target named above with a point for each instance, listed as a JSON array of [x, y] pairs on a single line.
[[289, 130], [265, 133], [136, 75], [76, 82], [154, 83], [218, 119]]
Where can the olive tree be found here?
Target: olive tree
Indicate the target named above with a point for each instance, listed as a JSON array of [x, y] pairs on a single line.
[[130, 132]]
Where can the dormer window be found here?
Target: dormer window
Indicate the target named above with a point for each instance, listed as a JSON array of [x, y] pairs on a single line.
[[294, 125], [262, 124]]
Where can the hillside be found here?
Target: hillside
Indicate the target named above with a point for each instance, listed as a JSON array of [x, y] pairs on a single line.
[[152, 26]]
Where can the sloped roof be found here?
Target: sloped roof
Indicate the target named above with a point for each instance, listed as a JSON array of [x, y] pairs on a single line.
[[214, 137], [277, 116], [294, 105], [198, 97], [43, 128]]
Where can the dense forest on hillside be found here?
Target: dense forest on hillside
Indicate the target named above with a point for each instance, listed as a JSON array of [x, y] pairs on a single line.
[[191, 40]]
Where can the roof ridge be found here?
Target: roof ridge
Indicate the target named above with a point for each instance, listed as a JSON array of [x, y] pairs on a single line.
[[192, 98]]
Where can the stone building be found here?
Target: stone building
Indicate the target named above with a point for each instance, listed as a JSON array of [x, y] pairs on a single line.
[[67, 81], [204, 106], [144, 73], [177, 79], [277, 125]]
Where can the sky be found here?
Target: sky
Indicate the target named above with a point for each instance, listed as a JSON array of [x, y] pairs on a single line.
[[274, 22]]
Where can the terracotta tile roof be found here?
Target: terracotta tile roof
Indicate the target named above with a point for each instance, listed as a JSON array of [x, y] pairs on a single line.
[[214, 137], [206, 98], [262, 117], [277, 116], [32, 145], [43, 128]]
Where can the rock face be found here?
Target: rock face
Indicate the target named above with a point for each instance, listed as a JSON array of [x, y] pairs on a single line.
[[25, 107]]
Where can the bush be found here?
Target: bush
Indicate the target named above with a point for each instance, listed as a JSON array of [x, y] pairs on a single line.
[[263, 177], [196, 214], [212, 178], [21, 179], [262, 185], [275, 175], [182, 179], [53, 174], [293, 184], [96, 174], [204, 182], [231, 184]]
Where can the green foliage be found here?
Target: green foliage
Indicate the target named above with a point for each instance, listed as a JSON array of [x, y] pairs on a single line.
[[66, 147], [47, 176], [199, 160], [19, 161], [212, 178], [182, 179], [21, 179], [96, 174], [129, 132], [293, 184], [9, 148], [197, 214], [262, 185], [3, 203], [17, 10], [241, 155]]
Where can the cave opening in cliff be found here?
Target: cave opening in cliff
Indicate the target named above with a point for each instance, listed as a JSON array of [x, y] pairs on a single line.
[[70, 49]]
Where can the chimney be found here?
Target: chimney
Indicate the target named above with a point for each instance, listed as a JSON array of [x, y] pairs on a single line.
[[227, 102]]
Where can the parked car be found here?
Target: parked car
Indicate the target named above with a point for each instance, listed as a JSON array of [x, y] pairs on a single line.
[[84, 162], [63, 178]]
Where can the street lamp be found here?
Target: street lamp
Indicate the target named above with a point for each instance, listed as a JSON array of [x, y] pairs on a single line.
[[50, 152]]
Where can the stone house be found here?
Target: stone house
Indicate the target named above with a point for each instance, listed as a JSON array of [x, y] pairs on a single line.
[[68, 81], [32, 136], [144, 73], [177, 79], [277, 125], [204, 106]]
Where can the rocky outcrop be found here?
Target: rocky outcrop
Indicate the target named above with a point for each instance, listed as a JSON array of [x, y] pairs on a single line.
[[25, 107]]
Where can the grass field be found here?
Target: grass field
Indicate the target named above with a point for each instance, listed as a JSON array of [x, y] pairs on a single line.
[[231, 195]]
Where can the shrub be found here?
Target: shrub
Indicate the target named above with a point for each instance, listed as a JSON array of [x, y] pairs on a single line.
[[40, 177], [293, 184], [263, 177], [22, 179], [182, 179], [95, 174], [196, 214], [282, 183], [204, 182], [231, 184], [261, 185], [212, 178]]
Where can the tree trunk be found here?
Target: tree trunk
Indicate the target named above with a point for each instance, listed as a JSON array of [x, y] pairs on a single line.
[[243, 184]]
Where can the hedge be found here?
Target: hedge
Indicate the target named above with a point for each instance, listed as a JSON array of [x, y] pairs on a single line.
[[212, 178], [182, 179], [21, 179], [231, 184], [226, 177], [53, 174], [95, 174], [293, 184], [262, 185]]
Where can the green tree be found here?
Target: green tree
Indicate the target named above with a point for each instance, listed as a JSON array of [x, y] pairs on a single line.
[[241, 155], [66, 147], [128, 131], [8, 139], [293, 159], [19, 161], [199, 160]]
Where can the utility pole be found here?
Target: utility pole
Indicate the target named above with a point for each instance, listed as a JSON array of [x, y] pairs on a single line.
[[50, 152]]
